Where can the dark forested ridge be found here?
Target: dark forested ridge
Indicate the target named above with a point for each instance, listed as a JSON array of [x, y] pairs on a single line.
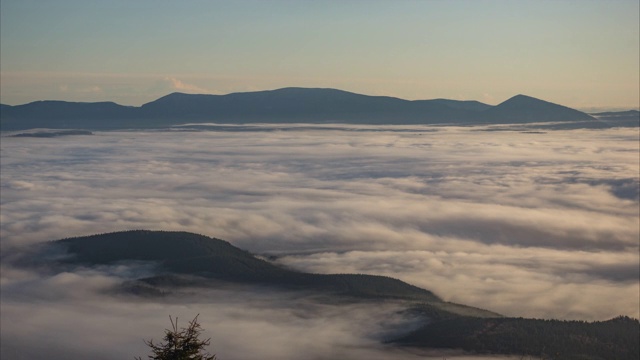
[[187, 259], [287, 105], [618, 338], [182, 253]]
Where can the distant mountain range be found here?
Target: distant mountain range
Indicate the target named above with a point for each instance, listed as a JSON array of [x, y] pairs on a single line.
[[186, 260], [287, 105]]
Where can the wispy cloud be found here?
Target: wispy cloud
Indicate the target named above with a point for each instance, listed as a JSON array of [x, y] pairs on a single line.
[[244, 323], [182, 86]]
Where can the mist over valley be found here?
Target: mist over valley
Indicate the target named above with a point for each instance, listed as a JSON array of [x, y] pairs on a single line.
[[517, 221]]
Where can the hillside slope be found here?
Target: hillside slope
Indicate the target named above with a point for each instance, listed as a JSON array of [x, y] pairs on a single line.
[[190, 260], [549, 339], [197, 255]]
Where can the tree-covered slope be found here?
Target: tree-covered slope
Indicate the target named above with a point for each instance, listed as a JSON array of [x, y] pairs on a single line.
[[197, 255], [190, 260], [617, 338]]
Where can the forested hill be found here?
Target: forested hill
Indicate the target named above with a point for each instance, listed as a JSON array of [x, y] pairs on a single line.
[[197, 255], [618, 338], [287, 105], [189, 260]]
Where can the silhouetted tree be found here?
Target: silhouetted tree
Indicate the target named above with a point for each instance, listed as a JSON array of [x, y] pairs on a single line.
[[183, 344]]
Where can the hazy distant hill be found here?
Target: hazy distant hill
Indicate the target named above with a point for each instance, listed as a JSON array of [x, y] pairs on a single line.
[[618, 114], [285, 105], [526, 109], [305, 105], [630, 118], [64, 115], [187, 259]]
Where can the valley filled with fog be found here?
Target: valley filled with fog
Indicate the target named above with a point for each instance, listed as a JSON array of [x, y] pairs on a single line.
[[540, 224]]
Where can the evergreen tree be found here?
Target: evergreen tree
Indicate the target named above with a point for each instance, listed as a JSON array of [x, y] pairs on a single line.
[[183, 344]]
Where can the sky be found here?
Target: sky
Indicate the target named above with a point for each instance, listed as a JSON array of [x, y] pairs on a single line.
[[534, 224], [583, 54]]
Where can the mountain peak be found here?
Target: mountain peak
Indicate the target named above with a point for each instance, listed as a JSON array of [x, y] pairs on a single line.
[[523, 108], [521, 98]]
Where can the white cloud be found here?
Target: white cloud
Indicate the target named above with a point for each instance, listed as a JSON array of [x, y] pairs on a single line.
[[244, 323], [542, 225], [179, 85]]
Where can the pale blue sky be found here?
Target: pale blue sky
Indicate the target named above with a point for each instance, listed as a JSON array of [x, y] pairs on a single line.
[[577, 53]]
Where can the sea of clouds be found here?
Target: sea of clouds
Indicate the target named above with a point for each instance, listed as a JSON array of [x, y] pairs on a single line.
[[534, 224]]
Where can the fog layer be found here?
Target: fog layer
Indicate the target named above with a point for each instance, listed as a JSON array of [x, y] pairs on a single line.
[[524, 224]]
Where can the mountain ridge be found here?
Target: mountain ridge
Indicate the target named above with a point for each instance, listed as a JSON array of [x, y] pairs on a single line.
[[184, 253], [285, 105]]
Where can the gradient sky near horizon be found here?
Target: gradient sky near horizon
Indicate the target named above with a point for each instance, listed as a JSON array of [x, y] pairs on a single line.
[[583, 54]]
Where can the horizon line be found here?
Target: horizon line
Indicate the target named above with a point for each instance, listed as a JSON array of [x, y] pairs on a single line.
[[586, 109]]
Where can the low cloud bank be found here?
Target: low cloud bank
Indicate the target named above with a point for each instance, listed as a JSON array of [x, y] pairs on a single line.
[[542, 225], [75, 316]]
